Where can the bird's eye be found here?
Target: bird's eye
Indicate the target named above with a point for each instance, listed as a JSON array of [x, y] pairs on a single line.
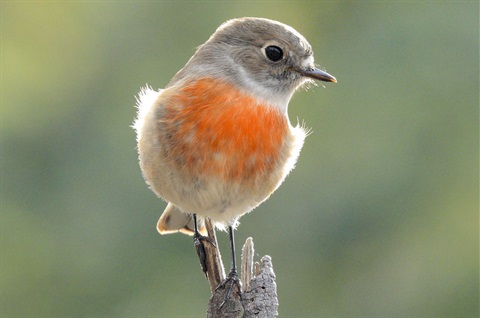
[[274, 53]]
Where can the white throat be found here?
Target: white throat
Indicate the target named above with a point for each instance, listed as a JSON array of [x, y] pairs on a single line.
[[274, 98]]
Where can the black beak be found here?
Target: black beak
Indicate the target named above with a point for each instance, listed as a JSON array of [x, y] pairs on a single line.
[[317, 74]]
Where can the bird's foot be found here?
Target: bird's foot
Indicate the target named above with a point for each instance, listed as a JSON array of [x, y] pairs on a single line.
[[229, 282], [198, 240]]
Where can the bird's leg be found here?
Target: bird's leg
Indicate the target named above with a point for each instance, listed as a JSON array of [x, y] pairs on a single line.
[[197, 242], [232, 278], [233, 271]]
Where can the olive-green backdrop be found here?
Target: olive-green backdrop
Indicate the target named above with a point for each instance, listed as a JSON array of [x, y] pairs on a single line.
[[379, 219]]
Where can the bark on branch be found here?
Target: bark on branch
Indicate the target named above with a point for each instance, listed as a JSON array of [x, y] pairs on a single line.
[[259, 296]]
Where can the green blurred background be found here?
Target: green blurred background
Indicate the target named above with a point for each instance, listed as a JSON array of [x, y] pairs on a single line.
[[379, 219]]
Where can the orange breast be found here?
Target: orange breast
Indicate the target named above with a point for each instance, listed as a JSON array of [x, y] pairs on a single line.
[[213, 129]]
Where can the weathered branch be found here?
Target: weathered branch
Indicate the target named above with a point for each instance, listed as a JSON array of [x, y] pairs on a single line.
[[215, 269], [247, 263], [259, 296], [260, 300]]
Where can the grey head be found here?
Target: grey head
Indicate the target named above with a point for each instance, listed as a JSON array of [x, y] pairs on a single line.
[[265, 57]]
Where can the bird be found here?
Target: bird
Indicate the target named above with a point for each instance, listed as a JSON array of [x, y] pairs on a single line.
[[217, 141]]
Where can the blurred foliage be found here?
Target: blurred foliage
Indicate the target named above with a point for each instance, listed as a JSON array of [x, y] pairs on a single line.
[[380, 218]]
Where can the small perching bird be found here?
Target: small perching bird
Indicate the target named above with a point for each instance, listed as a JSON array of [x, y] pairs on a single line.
[[216, 141]]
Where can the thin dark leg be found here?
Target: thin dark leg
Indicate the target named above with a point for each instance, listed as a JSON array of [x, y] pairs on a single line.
[[232, 248], [232, 278], [195, 225]]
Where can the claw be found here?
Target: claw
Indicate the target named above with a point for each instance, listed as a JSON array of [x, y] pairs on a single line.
[[231, 280]]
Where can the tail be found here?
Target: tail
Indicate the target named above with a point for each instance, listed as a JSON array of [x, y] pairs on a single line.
[[173, 220]]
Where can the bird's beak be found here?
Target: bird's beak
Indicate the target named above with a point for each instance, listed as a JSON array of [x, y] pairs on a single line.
[[317, 74]]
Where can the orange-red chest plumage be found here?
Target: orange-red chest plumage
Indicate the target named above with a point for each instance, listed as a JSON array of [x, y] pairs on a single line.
[[214, 130]]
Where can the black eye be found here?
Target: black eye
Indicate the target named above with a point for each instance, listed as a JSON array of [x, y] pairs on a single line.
[[274, 53]]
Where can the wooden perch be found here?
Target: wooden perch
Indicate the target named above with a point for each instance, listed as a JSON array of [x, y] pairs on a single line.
[[260, 300], [259, 296], [215, 269]]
